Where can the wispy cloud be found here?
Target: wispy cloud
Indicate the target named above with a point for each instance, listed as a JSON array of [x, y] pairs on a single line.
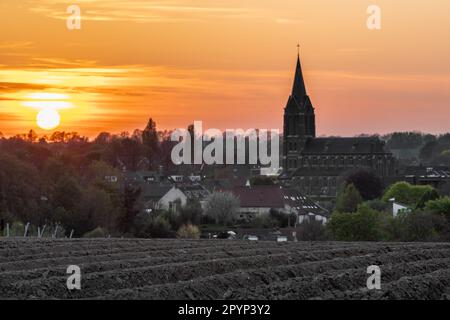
[[288, 21], [142, 11], [16, 45]]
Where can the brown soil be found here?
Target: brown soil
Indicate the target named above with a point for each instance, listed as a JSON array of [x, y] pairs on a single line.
[[215, 269]]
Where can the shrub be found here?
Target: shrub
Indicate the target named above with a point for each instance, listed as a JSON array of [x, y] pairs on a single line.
[[416, 226], [311, 230], [96, 233], [264, 222], [429, 195], [147, 226], [377, 205], [364, 225], [348, 200], [406, 193], [161, 228], [439, 206], [188, 231], [282, 220], [191, 213], [17, 229]]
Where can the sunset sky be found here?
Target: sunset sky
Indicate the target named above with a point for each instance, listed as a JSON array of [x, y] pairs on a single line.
[[229, 63]]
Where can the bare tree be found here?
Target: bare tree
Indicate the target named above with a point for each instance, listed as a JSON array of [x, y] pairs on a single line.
[[222, 207]]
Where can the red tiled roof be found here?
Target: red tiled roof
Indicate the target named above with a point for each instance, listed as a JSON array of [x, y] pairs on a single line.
[[259, 196]]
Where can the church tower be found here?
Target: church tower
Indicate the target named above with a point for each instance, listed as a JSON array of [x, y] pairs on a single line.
[[299, 122]]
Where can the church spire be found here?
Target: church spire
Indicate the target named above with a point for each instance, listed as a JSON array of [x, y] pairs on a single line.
[[299, 89]]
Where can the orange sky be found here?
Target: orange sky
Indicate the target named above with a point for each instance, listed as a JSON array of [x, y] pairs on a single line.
[[228, 63]]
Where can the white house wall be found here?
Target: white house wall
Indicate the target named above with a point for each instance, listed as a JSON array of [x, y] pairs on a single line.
[[172, 196]]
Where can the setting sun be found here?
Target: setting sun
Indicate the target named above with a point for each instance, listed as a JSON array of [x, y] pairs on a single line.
[[48, 119]]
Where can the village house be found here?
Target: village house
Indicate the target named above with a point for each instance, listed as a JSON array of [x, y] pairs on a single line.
[[395, 208], [261, 200], [170, 198]]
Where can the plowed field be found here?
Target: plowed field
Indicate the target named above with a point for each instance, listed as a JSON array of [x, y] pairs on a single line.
[[215, 269]]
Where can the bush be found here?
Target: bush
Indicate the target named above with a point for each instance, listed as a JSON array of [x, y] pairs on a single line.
[[161, 228], [147, 226], [312, 230], [429, 195], [406, 193], [364, 225], [191, 213], [17, 229], [418, 226], [96, 233], [188, 231], [440, 206], [264, 222], [377, 205], [415, 226], [283, 220], [349, 199]]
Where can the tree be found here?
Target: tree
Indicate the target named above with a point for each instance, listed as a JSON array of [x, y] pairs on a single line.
[[427, 151], [98, 173], [405, 140], [428, 195], [130, 151], [67, 193], [151, 141], [439, 206], [364, 225], [32, 136], [367, 183], [103, 138], [188, 231], [20, 186], [129, 211], [221, 207], [97, 208], [349, 199], [191, 213], [406, 193]]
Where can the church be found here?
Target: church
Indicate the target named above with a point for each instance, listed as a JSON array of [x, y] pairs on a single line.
[[316, 166]]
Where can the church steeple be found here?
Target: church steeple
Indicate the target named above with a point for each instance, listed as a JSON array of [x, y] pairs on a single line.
[[299, 89], [299, 121]]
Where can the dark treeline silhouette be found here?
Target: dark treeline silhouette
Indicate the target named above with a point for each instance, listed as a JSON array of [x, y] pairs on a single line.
[[64, 179], [68, 180]]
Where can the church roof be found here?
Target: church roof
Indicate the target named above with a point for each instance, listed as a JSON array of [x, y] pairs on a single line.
[[298, 89], [299, 100], [358, 145]]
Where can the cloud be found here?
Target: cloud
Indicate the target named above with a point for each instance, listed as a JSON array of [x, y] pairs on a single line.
[[288, 21], [142, 11], [6, 87], [16, 45]]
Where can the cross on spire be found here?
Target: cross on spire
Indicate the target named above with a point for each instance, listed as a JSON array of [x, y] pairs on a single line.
[[298, 88]]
